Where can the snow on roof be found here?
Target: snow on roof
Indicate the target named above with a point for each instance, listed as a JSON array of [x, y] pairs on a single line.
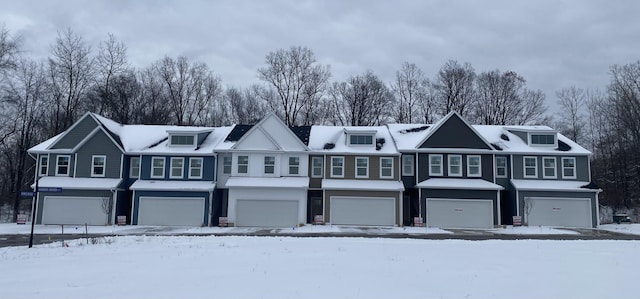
[[78, 183], [496, 135], [262, 182], [468, 184], [409, 136], [372, 185], [173, 185], [333, 139], [154, 138], [548, 185], [45, 144]]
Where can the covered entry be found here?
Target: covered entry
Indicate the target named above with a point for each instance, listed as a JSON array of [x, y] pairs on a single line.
[[459, 213]]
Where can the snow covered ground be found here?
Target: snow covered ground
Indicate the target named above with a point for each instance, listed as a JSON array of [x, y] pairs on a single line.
[[288, 267], [624, 228]]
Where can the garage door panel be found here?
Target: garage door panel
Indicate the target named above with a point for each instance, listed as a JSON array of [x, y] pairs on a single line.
[[458, 213], [266, 213], [567, 212], [74, 210], [363, 211], [171, 211]]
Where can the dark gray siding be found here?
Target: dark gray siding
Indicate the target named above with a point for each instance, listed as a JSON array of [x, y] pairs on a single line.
[[69, 192], [561, 194], [357, 193], [202, 137], [523, 135], [582, 167], [454, 133], [208, 170], [138, 194], [79, 132], [487, 166], [99, 144], [460, 194]]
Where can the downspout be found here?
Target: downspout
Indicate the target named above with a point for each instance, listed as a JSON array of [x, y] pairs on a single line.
[[113, 208]]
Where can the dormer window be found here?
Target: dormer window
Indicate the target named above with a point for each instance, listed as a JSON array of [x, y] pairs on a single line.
[[182, 140], [361, 140], [542, 139]]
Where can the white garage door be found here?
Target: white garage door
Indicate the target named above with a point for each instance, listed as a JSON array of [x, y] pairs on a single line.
[[377, 211], [179, 211], [568, 212], [460, 213], [266, 213], [74, 210]]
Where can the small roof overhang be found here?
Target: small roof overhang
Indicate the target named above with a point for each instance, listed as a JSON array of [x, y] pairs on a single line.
[[460, 184], [78, 183], [548, 185], [267, 182], [159, 185], [364, 185]]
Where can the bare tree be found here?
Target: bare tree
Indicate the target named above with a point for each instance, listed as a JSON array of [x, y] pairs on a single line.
[[153, 106], [410, 89], [571, 120], [244, 105], [361, 101], [454, 87], [111, 62], [9, 50], [296, 80]]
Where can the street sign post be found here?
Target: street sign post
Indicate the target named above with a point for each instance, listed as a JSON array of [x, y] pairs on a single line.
[[27, 194]]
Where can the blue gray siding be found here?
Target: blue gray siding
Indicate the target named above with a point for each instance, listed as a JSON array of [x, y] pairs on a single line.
[[208, 168], [77, 134], [99, 144]]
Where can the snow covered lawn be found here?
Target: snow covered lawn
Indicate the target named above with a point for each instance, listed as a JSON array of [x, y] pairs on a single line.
[[624, 228], [286, 267]]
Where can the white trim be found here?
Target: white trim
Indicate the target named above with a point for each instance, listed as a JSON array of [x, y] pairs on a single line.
[[224, 159], [58, 165], [555, 168], [321, 158], [191, 159], [498, 199], [273, 165], [182, 134], [171, 166], [238, 164], [524, 167], [341, 175], [449, 165], [392, 162], [506, 163], [575, 167], [164, 162], [431, 173], [39, 170], [479, 174], [366, 168], [554, 134], [137, 176], [293, 165], [402, 163], [93, 166]]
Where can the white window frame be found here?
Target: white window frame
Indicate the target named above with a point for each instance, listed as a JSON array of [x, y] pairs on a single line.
[[449, 164], [544, 168], [193, 141], [554, 144], [171, 168], [227, 161], [46, 166], [498, 167], [271, 166], [479, 174], [191, 168], [408, 161], [134, 174], [341, 167], [295, 165], [153, 159], [431, 164], [314, 167], [68, 165], [575, 168], [390, 168], [243, 164], [357, 167], [524, 167], [365, 136], [94, 166]]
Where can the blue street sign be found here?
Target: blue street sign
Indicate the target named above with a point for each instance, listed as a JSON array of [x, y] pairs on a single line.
[[27, 194], [49, 189]]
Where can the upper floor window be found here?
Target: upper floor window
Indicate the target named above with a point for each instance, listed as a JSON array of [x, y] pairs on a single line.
[[157, 167], [355, 139], [195, 168], [501, 167], [98, 163], [269, 164], [294, 165], [543, 139], [455, 165], [407, 165], [134, 168], [435, 165], [182, 140], [568, 168], [243, 164], [530, 167], [362, 167], [177, 168], [337, 167], [386, 167], [549, 167], [44, 165], [226, 164], [316, 167], [474, 166], [62, 164]]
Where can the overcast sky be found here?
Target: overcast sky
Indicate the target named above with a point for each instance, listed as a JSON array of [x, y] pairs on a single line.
[[552, 44]]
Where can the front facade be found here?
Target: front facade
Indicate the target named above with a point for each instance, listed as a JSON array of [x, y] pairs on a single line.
[[449, 174]]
